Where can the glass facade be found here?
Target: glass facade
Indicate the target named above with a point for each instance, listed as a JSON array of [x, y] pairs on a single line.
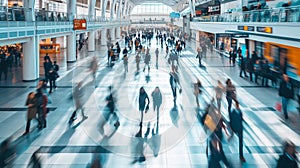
[[151, 8]]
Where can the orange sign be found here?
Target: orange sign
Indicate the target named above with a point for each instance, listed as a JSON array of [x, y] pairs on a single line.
[[79, 24]]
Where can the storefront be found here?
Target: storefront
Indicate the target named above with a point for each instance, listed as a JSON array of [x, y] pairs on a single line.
[[223, 42], [206, 38]]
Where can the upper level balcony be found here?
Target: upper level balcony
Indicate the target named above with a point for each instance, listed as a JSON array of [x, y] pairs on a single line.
[[290, 14], [14, 25], [278, 25]]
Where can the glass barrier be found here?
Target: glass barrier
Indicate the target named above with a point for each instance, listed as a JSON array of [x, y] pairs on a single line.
[[288, 14]]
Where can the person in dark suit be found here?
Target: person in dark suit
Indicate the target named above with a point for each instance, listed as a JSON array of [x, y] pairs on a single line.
[[286, 92], [236, 124], [216, 153], [288, 158]]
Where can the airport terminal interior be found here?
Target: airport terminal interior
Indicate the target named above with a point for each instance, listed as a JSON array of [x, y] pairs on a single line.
[[150, 83]]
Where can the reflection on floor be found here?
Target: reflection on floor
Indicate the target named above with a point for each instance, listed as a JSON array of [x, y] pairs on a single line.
[[173, 138]]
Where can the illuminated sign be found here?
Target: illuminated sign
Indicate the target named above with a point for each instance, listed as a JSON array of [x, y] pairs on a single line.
[[246, 28], [264, 29], [174, 15], [213, 8], [79, 24]]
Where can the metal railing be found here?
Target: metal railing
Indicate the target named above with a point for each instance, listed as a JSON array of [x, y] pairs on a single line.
[[289, 14], [41, 15]]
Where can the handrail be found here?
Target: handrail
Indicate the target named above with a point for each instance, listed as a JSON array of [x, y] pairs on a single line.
[[18, 14], [282, 14]]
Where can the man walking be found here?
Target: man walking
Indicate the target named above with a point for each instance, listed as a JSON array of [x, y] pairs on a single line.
[[286, 92]]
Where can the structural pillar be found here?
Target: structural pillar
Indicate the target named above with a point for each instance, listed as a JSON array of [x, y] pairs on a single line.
[[30, 60], [71, 9], [113, 34], [71, 50], [91, 42], [29, 10], [118, 33], [103, 37]]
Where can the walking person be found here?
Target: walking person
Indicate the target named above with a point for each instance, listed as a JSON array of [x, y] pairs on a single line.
[[286, 92], [137, 61], [243, 66], [52, 76], [288, 158], [216, 153], [174, 83], [230, 94], [197, 91], [230, 56], [42, 102], [46, 57], [199, 55], [156, 54], [220, 89], [142, 102], [47, 66], [157, 101], [78, 96], [125, 62], [236, 124], [31, 110], [93, 67], [147, 62]]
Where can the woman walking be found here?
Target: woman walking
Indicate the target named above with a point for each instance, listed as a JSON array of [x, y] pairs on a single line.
[[230, 94], [157, 100], [219, 93], [142, 102], [31, 111]]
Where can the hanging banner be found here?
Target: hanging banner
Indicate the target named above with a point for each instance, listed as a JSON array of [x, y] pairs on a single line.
[[79, 24]]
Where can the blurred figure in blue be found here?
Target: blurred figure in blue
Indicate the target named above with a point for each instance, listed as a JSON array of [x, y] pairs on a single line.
[[288, 158], [7, 153], [78, 96]]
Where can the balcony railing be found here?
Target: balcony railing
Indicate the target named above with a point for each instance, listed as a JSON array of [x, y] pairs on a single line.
[[18, 14], [290, 14]]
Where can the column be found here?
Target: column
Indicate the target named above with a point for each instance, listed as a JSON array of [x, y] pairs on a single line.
[[29, 10], [91, 42], [118, 33], [103, 37], [71, 50], [113, 34], [31, 60], [71, 9]]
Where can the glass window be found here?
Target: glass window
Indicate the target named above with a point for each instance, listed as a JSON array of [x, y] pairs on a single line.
[[151, 8]]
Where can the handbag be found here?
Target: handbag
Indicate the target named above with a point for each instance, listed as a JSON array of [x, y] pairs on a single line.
[[278, 106], [147, 108], [212, 118]]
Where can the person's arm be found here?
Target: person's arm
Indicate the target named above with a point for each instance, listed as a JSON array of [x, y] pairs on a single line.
[[147, 99]]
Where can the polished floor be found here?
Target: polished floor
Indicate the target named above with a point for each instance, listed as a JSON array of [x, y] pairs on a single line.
[[178, 140]]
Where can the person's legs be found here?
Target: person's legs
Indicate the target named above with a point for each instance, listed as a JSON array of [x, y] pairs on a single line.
[[197, 100], [51, 85], [241, 72], [240, 135], [245, 74], [82, 112], [44, 121], [72, 118], [28, 126], [219, 103], [54, 84], [285, 102], [229, 101]]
